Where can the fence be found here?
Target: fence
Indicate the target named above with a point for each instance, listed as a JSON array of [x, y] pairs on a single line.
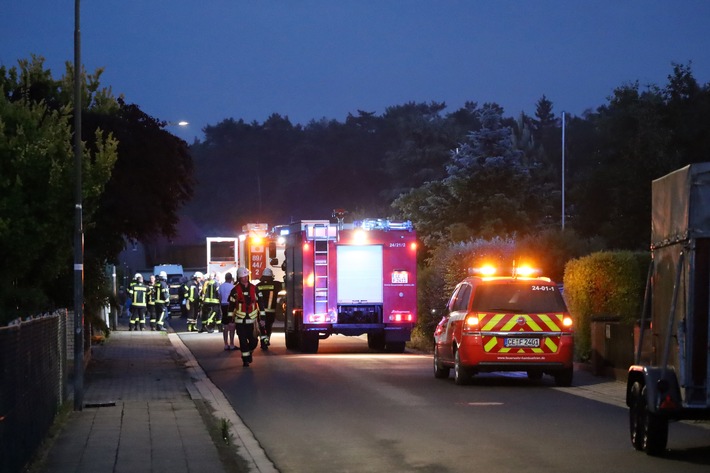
[[34, 365]]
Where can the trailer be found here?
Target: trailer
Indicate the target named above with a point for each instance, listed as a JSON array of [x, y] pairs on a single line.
[[350, 279], [669, 380]]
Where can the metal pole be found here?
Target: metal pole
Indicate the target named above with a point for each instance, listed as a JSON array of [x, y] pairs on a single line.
[[78, 230], [563, 171]]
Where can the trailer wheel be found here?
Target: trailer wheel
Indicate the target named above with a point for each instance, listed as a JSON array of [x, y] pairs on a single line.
[[636, 416], [461, 374], [655, 430], [649, 431], [440, 371]]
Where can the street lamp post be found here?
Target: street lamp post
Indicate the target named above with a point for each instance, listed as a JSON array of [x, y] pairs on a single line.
[[78, 226], [563, 171]]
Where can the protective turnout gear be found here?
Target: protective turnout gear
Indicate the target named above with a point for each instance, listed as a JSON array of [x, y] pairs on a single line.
[[163, 275], [138, 277], [268, 293], [268, 273], [244, 304], [198, 275], [139, 296], [241, 272]]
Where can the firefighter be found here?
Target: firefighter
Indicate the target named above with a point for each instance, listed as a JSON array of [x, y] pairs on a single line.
[[151, 301], [139, 295], [183, 292], [245, 306], [210, 303], [162, 300], [225, 289], [268, 292], [193, 301]]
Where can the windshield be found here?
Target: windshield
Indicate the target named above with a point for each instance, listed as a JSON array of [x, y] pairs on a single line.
[[522, 297]]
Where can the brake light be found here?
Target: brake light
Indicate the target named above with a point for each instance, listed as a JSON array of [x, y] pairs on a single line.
[[330, 317], [401, 316]]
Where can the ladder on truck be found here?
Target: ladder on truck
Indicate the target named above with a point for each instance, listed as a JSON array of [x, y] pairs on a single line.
[[320, 267]]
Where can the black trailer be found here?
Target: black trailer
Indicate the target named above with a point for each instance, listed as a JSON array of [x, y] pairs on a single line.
[[669, 380]]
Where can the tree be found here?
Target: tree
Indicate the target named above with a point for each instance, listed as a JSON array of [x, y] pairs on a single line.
[[37, 186]]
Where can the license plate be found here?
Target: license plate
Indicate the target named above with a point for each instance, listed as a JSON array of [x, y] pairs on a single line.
[[522, 342]]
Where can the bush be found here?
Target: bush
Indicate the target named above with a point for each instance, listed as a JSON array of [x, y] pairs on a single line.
[[604, 283]]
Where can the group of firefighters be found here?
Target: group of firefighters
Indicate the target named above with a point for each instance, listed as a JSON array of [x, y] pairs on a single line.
[[243, 308], [149, 299]]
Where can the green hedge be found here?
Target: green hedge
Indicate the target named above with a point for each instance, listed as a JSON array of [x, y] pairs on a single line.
[[604, 283]]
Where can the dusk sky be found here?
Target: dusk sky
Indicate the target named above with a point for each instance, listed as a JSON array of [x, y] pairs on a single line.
[[205, 61]]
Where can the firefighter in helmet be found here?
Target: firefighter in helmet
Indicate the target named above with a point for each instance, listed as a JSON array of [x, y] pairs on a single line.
[[268, 292], [245, 305], [162, 300], [210, 303], [194, 293], [151, 301], [139, 295]]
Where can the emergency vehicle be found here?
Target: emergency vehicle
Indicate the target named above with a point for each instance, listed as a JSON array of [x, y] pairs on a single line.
[[256, 248], [517, 322], [670, 378], [350, 279]]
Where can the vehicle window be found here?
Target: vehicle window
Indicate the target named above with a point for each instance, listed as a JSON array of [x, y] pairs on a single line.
[[462, 297], [523, 298]]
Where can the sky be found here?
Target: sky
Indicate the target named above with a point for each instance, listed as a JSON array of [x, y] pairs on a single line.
[[204, 61]]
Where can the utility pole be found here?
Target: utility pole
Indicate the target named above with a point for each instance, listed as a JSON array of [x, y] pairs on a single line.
[[563, 171], [78, 226]]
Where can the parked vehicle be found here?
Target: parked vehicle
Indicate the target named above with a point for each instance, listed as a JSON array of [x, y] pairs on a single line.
[[350, 279], [670, 383], [517, 322]]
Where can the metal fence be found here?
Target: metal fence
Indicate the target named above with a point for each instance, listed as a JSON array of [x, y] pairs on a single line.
[[34, 365]]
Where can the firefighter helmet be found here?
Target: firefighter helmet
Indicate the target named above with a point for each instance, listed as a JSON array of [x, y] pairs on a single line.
[[241, 272], [268, 273], [163, 275], [138, 276], [197, 275]]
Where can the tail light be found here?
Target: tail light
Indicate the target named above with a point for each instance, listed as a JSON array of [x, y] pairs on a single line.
[[471, 322], [397, 316]]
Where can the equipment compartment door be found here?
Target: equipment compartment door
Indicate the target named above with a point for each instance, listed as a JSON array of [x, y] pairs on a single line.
[[359, 274]]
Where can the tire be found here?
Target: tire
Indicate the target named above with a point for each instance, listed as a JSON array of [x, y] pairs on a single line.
[[291, 340], [655, 430], [309, 342], [395, 347], [461, 374], [637, 411], [376, 341], [535, 375], [440, 371], [563, 378]]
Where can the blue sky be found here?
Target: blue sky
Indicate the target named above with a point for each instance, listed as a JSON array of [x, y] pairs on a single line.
[[204, 61]]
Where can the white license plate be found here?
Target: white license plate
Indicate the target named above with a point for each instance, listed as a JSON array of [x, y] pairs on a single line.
[[522, 342]]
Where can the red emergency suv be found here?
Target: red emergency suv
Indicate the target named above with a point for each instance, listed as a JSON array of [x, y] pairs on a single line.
[[505, 323]]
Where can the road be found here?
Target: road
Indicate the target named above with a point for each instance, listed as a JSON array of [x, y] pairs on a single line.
[[346, 409]]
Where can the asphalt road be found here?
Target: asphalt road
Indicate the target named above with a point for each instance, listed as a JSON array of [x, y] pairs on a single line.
[[347, 409]]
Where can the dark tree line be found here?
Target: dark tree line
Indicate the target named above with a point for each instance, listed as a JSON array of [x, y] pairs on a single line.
[[467, 173]]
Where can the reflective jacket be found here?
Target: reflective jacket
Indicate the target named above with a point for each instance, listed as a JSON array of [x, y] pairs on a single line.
[[245, 306]]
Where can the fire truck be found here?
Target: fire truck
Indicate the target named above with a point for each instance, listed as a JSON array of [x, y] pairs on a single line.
[[350, 279], [669, 378], [256, 248]]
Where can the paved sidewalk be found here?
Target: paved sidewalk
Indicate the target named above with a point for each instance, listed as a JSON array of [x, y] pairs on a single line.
[[145, 400]]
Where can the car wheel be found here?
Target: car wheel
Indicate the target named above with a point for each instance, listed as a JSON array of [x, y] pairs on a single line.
[[440, 371], [461, 375], [535, 375], [563, 378]]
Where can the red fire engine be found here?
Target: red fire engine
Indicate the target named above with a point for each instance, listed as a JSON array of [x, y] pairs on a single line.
[[350, 279]]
